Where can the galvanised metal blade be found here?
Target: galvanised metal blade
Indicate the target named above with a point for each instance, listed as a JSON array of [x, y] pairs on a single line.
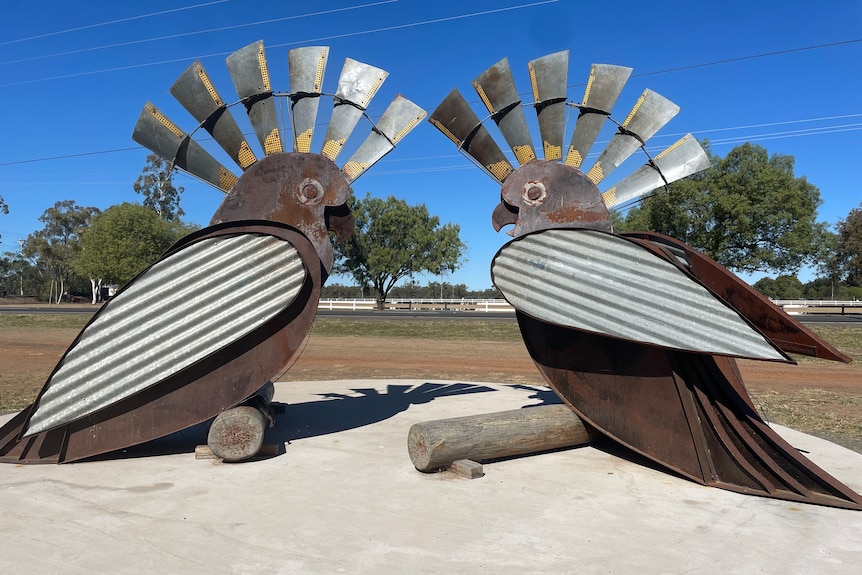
[[496, 88], [307, 66], [157, 133], [680, 160], [194, 90], [603, 88], [400, 117], [357, 85], [650, 113], [548, 78], [459, 123], [250, 76]]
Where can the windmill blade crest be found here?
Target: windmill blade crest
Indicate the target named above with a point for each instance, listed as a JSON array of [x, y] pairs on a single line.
[[397, 121], [680, 160], [194, 90], [157, 133], [496, 88], [456, 119], [250, 74], [604, 86], [649, 114], [548, 80], [357, 85], [307, 66]]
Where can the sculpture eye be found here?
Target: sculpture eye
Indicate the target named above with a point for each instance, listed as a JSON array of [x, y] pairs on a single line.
[[310, 192], [534, 193]]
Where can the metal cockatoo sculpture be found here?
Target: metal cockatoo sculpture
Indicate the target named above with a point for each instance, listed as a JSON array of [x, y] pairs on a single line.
[[227, 308], [636, 332]]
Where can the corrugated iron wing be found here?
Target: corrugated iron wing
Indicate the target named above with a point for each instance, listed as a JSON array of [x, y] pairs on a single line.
[[608, 285], [181, 310]]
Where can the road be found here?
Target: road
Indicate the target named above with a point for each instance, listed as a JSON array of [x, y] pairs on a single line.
[[854, 320]]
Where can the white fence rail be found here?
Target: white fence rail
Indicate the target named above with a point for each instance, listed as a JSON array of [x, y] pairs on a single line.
[[796, 306], [353, 304]]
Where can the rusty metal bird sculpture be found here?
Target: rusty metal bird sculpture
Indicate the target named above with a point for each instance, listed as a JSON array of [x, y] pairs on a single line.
[[638, 332], [228, 307]]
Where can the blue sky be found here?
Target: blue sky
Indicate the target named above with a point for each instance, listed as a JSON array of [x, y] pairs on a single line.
[[74, 77]]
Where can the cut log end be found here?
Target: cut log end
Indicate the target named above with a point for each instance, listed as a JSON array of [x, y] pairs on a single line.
[[237, 434]]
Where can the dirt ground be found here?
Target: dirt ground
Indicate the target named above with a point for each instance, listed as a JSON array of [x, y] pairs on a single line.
[[27, 357]]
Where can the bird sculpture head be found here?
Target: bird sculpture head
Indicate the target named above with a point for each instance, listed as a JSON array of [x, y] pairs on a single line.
[[555, 191], [295, 186]]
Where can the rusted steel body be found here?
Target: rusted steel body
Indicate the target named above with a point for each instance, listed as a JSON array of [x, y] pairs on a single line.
[[673, 401], [192, 395], [636, 332], [228, 307]]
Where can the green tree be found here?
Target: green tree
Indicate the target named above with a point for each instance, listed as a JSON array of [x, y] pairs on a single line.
[[748, 212], [4, 208], [122, 241], [157, 186], [55, 247], [848, 247], [393, 240], [782, 287]]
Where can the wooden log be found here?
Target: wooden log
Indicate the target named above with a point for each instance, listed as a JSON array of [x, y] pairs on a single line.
[[237, 434], [434, 445]]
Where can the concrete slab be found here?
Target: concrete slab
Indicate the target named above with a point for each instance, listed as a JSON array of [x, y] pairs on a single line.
[[344, 498]]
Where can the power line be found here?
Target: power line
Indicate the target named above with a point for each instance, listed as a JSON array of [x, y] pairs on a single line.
[[220, 29], [110, 22], [346, 35]]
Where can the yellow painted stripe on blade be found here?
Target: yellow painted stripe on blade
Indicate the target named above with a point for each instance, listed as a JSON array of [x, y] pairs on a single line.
[[596, 174], [245, 156], [574, 158], [332, 148], [672, 148], [406, 129], [272, 144], [321, 65], [264, 72], [209, 86], [226, 180], [635, 109], [484, 97], [354, 169], [163, 120], [552, 152], [303, 141], [372, 91], [524, 154], [589, 85], [500, 170], [533, 83], [610, 197], [437, 124]]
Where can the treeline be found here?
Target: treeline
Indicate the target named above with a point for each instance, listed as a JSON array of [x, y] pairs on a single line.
[[789, 287], [412, 290]]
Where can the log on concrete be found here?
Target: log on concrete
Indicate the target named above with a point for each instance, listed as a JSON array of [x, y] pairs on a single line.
[[434, 445], [237, 434]]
